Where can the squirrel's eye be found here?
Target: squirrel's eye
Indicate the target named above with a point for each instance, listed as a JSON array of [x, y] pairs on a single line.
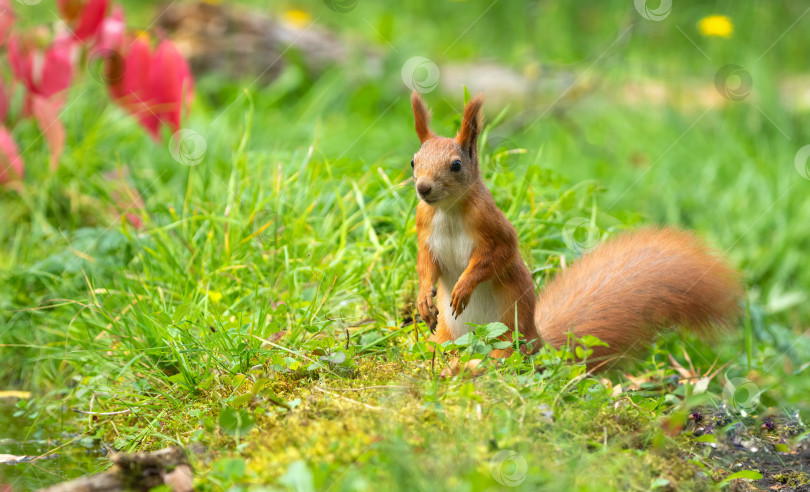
[[455, 166], [411, 163]]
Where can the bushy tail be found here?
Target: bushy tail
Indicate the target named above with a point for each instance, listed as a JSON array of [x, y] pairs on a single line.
[[634, 285]]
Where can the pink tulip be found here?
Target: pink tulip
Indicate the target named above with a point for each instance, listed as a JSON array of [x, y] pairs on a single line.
[[155, 87], [85, 16], [47, 73], [11, 164], [170, 83], [130, 90], [135, 71]]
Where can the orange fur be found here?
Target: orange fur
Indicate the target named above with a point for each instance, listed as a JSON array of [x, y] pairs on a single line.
[[635, 284], [494, 257], [623, 292], [421, 118], [426, 268], [471, 123]]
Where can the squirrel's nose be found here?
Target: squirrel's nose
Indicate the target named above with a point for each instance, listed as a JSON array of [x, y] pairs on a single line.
[[424, 188]]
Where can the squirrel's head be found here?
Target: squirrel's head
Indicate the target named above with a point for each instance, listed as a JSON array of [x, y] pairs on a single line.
[[445, 168]]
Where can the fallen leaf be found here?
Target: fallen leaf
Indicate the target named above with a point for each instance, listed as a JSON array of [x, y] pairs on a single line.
[[179, 479], [273, 339]]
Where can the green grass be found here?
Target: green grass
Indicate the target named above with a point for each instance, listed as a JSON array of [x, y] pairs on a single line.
[[273, 284]]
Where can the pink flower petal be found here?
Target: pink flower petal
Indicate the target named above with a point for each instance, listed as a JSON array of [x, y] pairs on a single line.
[[20, 61], [170, 84], [136, 71], [154, 87], [46, 112], [11, 164], [166, 85], [131, 91], [90, 18], [43, 73], [57, 69]]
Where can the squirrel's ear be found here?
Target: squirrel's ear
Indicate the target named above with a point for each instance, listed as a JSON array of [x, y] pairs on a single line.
[[421, 117], [471, 124]]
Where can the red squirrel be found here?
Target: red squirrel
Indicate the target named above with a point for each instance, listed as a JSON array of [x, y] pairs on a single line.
[[622, 292]]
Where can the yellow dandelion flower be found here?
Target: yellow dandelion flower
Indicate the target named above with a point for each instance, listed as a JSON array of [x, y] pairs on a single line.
[[298, 18], [716, 25], [214, 296]]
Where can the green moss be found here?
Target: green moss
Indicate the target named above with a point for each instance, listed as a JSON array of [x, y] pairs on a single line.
[[792, 479]]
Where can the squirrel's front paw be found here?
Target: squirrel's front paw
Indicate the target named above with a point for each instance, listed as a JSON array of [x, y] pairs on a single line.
[[459, 298], [427, 310]]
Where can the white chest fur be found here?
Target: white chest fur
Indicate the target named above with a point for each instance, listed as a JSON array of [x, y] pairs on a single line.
[[452, 247], [450, 244]]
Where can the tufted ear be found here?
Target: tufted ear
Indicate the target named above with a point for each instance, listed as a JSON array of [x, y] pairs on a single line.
[[471, 124], [421, 117]]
